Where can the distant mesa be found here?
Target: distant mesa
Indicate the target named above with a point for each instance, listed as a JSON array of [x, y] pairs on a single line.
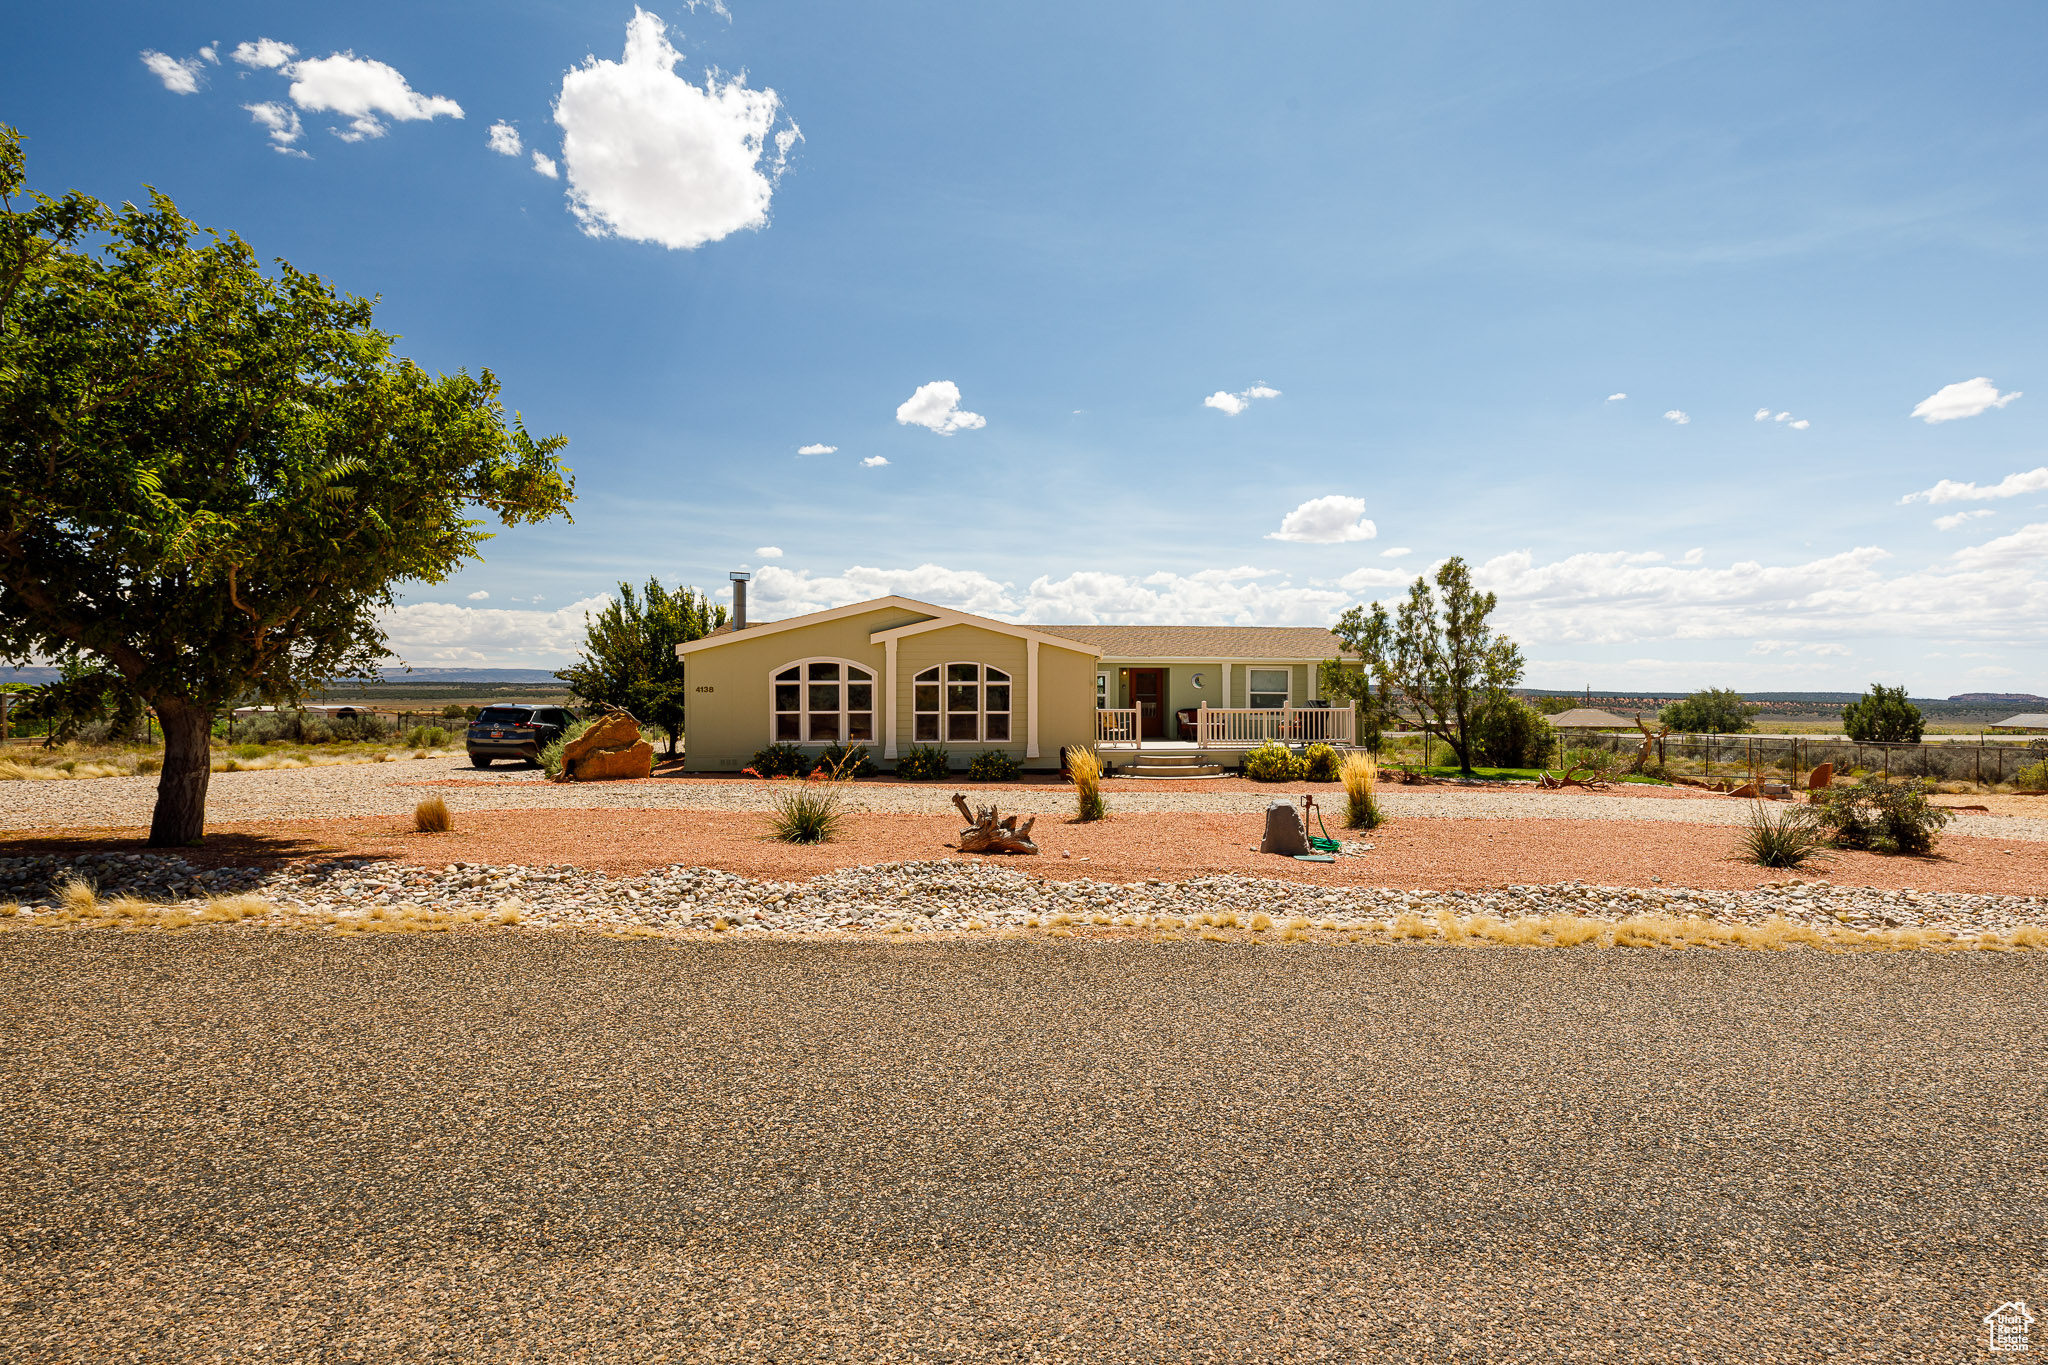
[[1998, 696]]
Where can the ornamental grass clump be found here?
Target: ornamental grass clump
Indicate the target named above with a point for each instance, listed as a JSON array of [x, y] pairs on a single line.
[[1085, 767], [1361, 807], [1785, 837], [431, 816], [811, 811]]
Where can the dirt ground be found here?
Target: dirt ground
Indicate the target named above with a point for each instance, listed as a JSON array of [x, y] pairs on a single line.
[[1444, 854]]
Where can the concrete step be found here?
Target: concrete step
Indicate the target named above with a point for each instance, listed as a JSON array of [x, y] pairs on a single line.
[[1149, 769]]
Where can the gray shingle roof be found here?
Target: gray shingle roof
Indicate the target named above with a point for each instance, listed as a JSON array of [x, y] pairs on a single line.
[[1203, 642], [2032, 720]]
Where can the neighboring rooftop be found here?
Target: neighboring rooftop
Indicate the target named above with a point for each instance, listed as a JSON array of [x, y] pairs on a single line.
[[2032, 720], [1204, 642]]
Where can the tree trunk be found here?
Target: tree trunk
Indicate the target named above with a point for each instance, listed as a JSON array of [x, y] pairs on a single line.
[[180, 817], [987, 833]]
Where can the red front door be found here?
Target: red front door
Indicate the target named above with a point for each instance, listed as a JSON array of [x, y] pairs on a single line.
[[1148, 694]]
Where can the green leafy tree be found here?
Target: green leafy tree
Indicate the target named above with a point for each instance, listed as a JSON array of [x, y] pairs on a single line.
[[629, 654], [1883, 716], [1507, 732], [211, 477], [1714, 711], [1436, 658]]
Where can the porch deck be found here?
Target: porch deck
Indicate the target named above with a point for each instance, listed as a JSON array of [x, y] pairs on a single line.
[[1228, 729]]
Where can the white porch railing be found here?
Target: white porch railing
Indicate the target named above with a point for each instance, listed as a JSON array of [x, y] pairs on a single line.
[[1117, 727], [1243, 727]]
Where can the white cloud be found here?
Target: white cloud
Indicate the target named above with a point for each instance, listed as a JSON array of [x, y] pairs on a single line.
[[265, 53], [365, 92], [1677, 417], [504, 139], [1966, 399], [1329, 520], [874, 461], [179, 77], [546, 165], [1358, 580], [655, 158], [2011, 486], [1763, 414], [444, 633], [1801, 425], [768, 552], [210, 55], [1781, 416], [282, 123], [1616, 397], [479, 595], [1396, 552], [818, 449], [1955, 519], [1694, 555], [1234, 403], [936, 407]]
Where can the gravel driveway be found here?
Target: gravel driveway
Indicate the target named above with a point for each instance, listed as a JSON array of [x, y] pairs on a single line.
[[394, 788], [240, 1146]]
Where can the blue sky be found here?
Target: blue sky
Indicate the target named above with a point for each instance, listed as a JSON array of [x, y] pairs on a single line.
[[1413, 254]]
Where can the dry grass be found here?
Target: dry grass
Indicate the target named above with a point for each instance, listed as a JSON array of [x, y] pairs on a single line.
[[1261, 923], [431, 816], [1085, 767], [78, 897], [1358, 773]]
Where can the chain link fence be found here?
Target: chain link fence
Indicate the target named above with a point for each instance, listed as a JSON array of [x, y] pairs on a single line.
[[1985, 764]]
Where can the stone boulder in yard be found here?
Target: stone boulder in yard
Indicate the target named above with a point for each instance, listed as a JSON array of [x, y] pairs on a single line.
[[610, 748]]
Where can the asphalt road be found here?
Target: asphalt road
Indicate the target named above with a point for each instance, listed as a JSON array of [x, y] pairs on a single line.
[[245, 1146]]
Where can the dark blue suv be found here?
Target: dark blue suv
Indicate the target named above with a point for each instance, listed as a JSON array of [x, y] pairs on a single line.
[[515, 731]]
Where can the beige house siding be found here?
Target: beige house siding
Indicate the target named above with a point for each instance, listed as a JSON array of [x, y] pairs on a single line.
[[960, 644], [728, 714]]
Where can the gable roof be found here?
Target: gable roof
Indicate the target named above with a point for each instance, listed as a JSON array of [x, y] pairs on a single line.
[[1205, 642], [929, 618], [2033, 720]]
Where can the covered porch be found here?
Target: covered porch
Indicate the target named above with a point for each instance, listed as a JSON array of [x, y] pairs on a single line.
[[1227, 729]]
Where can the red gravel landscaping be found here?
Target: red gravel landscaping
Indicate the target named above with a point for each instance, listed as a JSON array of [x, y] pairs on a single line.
[[1428, 853]]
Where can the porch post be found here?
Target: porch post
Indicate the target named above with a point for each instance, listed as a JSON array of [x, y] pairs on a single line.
[[889, 699], [1031, 699], [1226, 683]]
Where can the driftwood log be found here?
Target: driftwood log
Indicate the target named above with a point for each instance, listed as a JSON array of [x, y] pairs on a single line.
[[986, 833]]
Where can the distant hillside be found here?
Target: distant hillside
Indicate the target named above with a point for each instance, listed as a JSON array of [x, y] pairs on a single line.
[[2014, 698]]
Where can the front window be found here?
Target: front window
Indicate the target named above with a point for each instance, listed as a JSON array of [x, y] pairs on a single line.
[[824, 701], [1267, 688], [964, 703], [1102, 690]]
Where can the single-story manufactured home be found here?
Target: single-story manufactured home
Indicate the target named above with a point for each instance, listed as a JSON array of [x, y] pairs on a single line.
[[895, 672]]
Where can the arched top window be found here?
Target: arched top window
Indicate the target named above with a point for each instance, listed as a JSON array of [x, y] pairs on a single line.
[[963, 703], [822, 701]]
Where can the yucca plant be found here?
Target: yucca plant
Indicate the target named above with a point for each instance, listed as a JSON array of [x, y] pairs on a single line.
[[1361, 806], [1785, 837], [812, 811], [1084, 765]]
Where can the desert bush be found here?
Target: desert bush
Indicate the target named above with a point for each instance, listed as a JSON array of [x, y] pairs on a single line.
[[850, 759], [809, 811], [431, 816], [1361, 806], [1883, 716], [1084, 766], [994, 766], [452, 711], [1712, 711], [551, 756], [1321, 763], [924, 763], [1780, 836], [1598, 761], [781, 760], [2033, 777], [1274, 762], [1510, 733], [426, 737], [1884, 817]]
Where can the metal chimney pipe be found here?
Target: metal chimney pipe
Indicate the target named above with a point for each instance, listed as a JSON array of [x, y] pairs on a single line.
[[739, 599]]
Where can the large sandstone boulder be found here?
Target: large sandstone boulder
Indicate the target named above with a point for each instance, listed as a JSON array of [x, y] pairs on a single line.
[[1822, 776], [610, 748]]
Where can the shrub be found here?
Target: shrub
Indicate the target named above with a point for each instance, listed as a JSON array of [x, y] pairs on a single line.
[[452, 711], [2033, 778], [551, 757], [431, 816], [1885, 817], [426, 737], [1361, 807], [1595, 760], [1713, 711], [781, 760], [1084, 766], [994, 766], [849, 760], [1510, 733], [1274, 762], [924, 763], [1774, 837], [1320, 763], [1883, 716], [808, 812]]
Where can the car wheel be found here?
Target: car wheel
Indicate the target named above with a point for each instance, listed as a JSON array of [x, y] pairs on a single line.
[[480, 760]]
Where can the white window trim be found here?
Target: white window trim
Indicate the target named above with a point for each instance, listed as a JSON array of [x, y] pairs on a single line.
[[981, 712], [1282, 669], [874, 711]]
